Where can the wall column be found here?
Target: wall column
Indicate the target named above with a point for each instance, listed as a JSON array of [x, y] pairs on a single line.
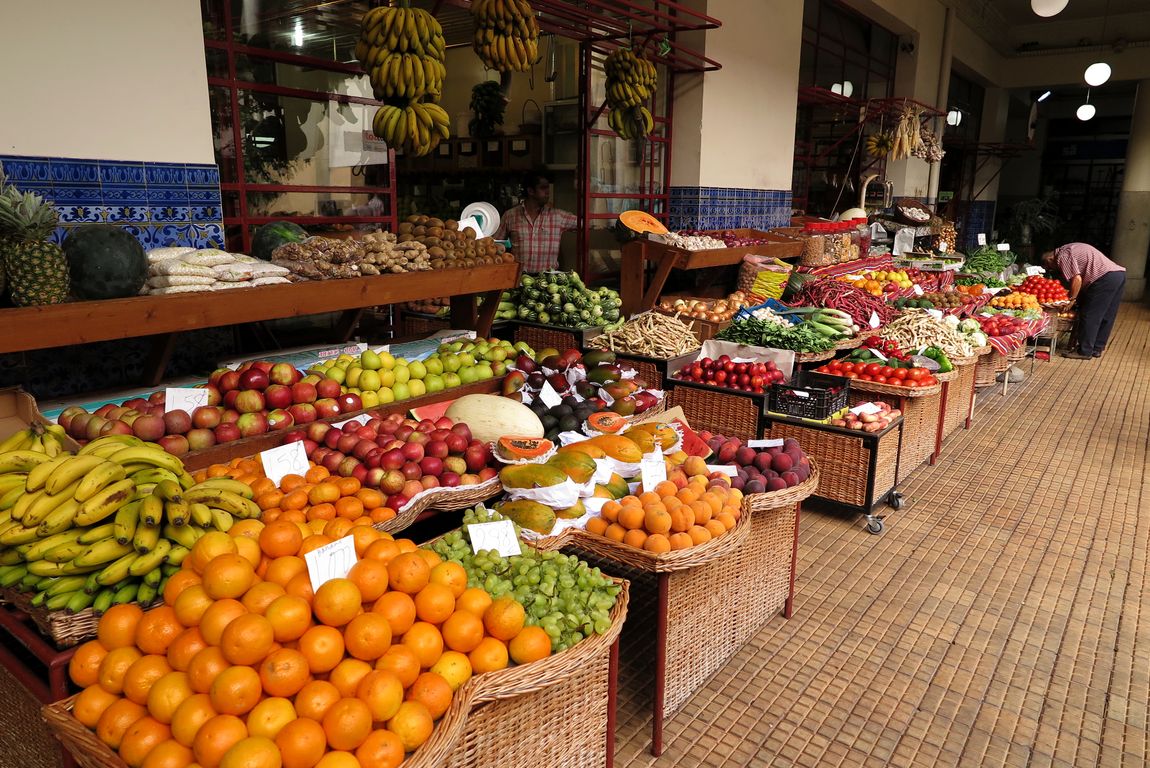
[[1132, 233]]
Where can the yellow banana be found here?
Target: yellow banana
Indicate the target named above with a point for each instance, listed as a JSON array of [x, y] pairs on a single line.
[[38, 475], [47, 568], [12, 480], [36, 550], [117, 570], [177, 554], [46, 503], [168, 490], [98, 533], [23, 503], [127, 518], [18, 440], [146, 454], [105, 502], [151, 510], [63, 553], [64, 584], [60, 518], [228, 484], [146, 538], [71, 469], [150, 560], [201, 514], [154, 475], [222, 520], [102, 446], [185, 535], [102, 552], [177, 512], [100, 477]]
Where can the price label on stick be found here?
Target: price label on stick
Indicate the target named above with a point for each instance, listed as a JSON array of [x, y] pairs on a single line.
[[499, 536], [982, 238], [777, 443], [943, 247], [361, 420], [918, 291], [184, 399], [879, 355], [331, 561], [874, 321], [653, 470], [1004, 246], [287, 459], [726, 469], [800, 393], [549, 396], [935, 313]]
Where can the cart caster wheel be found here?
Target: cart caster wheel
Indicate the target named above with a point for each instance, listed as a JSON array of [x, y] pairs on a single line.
[[875, 527], [896, 501]]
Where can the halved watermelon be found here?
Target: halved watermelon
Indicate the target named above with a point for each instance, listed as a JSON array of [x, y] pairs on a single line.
[[693, 445]]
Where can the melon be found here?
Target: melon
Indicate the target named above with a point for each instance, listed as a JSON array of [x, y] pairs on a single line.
[[490, 417], [105, 262], [274, 234]]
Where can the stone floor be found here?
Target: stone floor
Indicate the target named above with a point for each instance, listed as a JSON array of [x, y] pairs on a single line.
[[997, 621]]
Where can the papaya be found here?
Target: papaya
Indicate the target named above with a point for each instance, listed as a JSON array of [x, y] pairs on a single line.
[[572, 513], [528, 514], [645, 440], [515, 448], [602, 492], [606, 422], [664, 434], [618, 486], [619, 448], [531, 476], [586, 447], [579, 466]]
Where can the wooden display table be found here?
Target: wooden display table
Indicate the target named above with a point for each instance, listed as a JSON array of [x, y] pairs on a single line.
[[162, 317]]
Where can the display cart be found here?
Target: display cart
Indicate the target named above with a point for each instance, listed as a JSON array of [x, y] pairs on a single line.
[[921, 409]]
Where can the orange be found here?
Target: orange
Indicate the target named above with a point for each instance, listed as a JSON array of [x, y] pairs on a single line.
[[115, 666], [300, 586], [189, 716], [204, 667], [412, 724], [280, 539], [167, 694], [191, 604], [116, 720], [657, 543], [350, 508], [490, 655], [370, 498], [347, 674], [431, 558], [228, 575], [141, 738], [282, 569], [260, 596], [382, 749], [316, 474], [666, 488], [91, 703], [454, 667], [186, 645], [337, 601], [323, 647], [648, 497], [323, 492], [635, 537], [408, 573], [117, 627], [434, 603], [216, 737], [284, 672], [462, 631], [302, 743], [433, 692], [425, 641], [339, 759], [702, 512], [177, 583], [504, 618], [367, 636], [406, 545], [142, 674], [656, 519], [337, 528], [247, 639], [383, 550], [249, 549], [315, 699], [84, 666], [615, 531], [169, 754], [473, 599], [156, 629], [370, 576], [531, 644], [269, 499], [451, 575], [236, 690], [208, 546], [217, 617], [270, 716], [680, 540], [382, 692], [290, 617], [323, 512], [402, 662], [294, 499], [399, 610], [347, 724], [597, 525]]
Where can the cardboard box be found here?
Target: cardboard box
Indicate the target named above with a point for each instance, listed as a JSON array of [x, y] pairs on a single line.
[[18, 410]]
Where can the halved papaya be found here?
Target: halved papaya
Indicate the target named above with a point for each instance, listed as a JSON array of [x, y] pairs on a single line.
[[516, 448], [606, 422]]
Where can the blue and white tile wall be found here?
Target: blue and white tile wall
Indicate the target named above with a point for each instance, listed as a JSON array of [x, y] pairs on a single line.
[[162, 204], [729, 208]]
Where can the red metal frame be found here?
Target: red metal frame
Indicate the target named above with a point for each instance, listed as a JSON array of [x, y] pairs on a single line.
[[241, 186]]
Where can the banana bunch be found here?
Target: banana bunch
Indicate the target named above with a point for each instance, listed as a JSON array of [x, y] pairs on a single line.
[[879, 144], [403, 52], [107, 524], [39, 438], [506, 34], [631, 80]]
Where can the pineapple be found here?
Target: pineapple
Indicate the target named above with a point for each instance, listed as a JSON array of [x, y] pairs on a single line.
[[37, 270]]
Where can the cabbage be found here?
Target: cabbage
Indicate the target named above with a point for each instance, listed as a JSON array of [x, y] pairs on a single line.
[[969, 325], [951, 321], [978, 339]]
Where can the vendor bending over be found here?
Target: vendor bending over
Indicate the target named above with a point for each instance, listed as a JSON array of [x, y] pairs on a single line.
[[1096, 283]]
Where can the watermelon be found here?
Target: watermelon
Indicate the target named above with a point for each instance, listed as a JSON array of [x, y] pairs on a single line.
[[105, 262], [274, 234]]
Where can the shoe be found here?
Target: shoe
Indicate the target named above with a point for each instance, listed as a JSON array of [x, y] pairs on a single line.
[[1075, 356], [1097, 354]]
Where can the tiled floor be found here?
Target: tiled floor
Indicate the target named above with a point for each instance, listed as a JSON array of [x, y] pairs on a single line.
[[998, 621]]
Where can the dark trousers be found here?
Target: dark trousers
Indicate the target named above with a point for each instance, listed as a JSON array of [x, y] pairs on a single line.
[[1097, 308]]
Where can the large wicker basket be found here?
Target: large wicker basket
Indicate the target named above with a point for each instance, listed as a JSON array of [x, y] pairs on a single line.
[[921, 407], [761, 502], [844, 461], [444, 499], [62, 628], [959, 397], [734, 414]]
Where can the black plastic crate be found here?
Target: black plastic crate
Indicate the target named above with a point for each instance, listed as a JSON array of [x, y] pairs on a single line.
[[810, 395]]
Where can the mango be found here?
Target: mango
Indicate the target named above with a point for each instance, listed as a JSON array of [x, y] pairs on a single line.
[[528, 514]]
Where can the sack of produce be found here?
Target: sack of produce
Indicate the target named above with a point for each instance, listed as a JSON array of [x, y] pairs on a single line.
[[763, 276]]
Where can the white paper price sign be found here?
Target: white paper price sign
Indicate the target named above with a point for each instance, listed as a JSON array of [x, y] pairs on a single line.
[[1004, 246], [800, 393], [653, 470], [361, 420], [726, 469], [879, 355], [874, 321], [549, 396], [287, 459], [499, 536], [777, 443], [943, 247], [918, 291], [865, 409], [1032, 271], [935, 313], [982, 238], [331, 561], [184, 399]]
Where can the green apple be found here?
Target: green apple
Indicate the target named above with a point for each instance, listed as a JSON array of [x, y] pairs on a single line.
[[434, 366], [483, 371], [385, 395], [465, 359], [468, 375], [417, 388], [499, 368], [369, 360], [417, 370], [386, 378], [338, 374], [434, 382], [345, 358], [451, 363], [402, 374], [401, 391], [369, 380], [497, 354], [370, 399], [353, 374], [386, 361], [451, 380]]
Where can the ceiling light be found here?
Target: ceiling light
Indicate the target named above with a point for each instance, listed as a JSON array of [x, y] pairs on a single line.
[[297, 35], [848, 88], [837, 88], [1048, 8], [1044, 96], [1085, 112], [1097, 73], [954, 117]]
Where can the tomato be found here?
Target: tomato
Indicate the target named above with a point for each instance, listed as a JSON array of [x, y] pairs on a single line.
[[916, 374], [901, 373], [847, 367], [866, 377], [880, 379], [872, 368], [886, 371], [850, 375], [909, 383], [929, 381]]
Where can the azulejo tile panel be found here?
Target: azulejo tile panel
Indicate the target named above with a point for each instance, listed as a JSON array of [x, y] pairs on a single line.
[[160, 203], [729, 208]]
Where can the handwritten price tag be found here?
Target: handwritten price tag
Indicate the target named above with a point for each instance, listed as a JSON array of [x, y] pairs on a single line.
[[186, 400], [726, 469], [1004, 246], [331, 561], [943, 247], [653, 470], [499, 536], [1032, 271], [549, 396], [777, 443], [361, 419], [874, 321], [982, 238], [918, 290], [865, 409], [287, 459], [935, 313]]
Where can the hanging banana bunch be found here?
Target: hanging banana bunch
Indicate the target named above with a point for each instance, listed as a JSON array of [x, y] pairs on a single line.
[[879, 144], [506, 34], [403, 52], [631, 80]]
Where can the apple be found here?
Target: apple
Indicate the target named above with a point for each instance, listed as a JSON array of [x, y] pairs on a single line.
[[332, 460], [404, 431], [373, 457], [278, 396], [158, 397], [295, 436], [411, 471], [487, 473], [392, 459], [462, 430], [251, 424], [285, 374], [280, 419], [305, 413], [229, 381], [69, 413], [347, 467], [304, 392], [207, 417], [412, 487], [413, 451], [349, 427], [359, 472], [177, 445], [230, 396], [429, 481], [419, 438], [349, 403], [362, 448], [455, 464], [200, 439], [316, 430], [449, 479], [456, 443], [468, 479], [216, 375], [149, 428], [328, 388], [115, 427], [427, 426], [254, 378], [436, 449], [439, 434], [177, 422], [365, 433], [331, 438], [392, 482], [227, 432], [230, 417], [250, 401], [374, 477], [476, 458], [326, 407], [431, 465], [397, 501], [214, 395]]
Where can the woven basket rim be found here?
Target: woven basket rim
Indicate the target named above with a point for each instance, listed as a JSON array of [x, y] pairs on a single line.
[[852, 343], [885, 389], [966, 360], [446, 500], [60, 627], [815, 357], [986, 350], [761, 502], [945, 377]]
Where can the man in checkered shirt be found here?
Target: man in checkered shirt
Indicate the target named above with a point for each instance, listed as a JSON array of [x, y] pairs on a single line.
[[535, 227], [1096, 283]]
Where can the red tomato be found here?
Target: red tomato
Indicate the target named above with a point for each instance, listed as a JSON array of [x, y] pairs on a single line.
[[880, 379], [901, 373], [872, 368], [909, 383], [850, 375], [886, 371], [866, 377], [847, 367], [916, 374]]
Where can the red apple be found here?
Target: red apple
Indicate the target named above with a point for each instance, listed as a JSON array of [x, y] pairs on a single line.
[[360, 473], [295, 436], [431, 465], [412, 487], [149, 428], [214, 395], [347, 443], [278, 396], [403, 431], [250, 401], [207, 417], [216, 375], [280, 419], [326, 407], [476, 458], [456, 443], [419, 438], [487, 473], [413, 451], [347, 466], [104, 410], [332, 460], [397, 501], [366, 433], [428, 481], [363, 448], [426, 426], [439, 434], [229, 381], [227, 432], [373, 457], [349, 403], [449, 479], [392, 482], [463, 430], [158, 397], [115, 427], [177, 445], [444, 422], [69, 413], [411, 471], [374, 477], [254, 378], [229, 400], [436, 449], [304, 392], [317, 430], [251, 424], [318, 454], [304, 413], [230, 416], [328, 388], [349, 427], [392, 459], [200, 439], [263, 365], [285, 374]]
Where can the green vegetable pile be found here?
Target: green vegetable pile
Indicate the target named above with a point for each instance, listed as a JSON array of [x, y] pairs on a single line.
[[561, 298], [762, 333], [988, 261], [990, 282]]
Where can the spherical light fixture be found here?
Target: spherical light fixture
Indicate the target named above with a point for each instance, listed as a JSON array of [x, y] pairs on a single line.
[[954, 118], [1097, 73], [1085, 112], [837, 88], [1048, 8], [848, 88]]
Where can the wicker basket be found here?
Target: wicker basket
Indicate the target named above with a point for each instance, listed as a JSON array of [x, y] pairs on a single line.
[[844, 461], [543, 337], [733, 414], [1017, 355], [946, 377], [988, 367], [886, 389], [814, 357], [921, 408], [25, 739], [959, 397], [761, 502], [853, 342], [418, 326], [62, 628], [445, 500]]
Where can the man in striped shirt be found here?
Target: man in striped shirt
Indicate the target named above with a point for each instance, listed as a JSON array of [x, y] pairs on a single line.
[[535, 227], [1096, 283]]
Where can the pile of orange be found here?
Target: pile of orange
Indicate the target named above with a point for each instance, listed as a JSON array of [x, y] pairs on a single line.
[[317, 495], [244, 666], [674, 515]]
